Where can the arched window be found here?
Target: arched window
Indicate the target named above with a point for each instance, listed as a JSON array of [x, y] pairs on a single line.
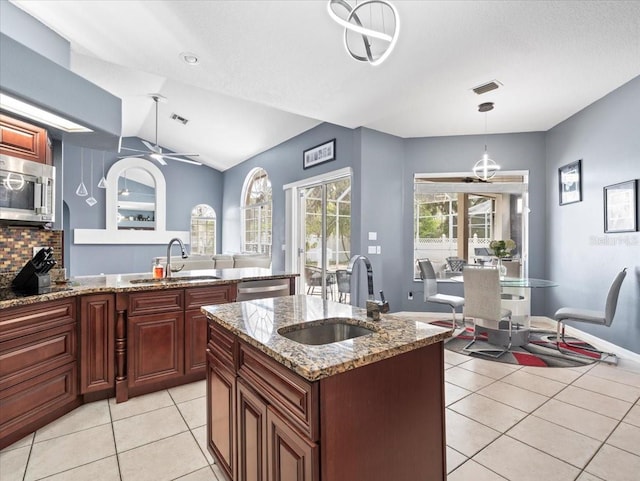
[[203, 230], [256, 212]]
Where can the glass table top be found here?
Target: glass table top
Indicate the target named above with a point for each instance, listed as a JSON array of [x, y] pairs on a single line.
[[518, 282]]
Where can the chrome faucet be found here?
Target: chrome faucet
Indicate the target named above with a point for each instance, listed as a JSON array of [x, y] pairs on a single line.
[[167, 269], [374, 308]]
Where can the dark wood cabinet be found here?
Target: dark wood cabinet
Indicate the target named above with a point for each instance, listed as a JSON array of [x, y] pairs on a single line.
[[221, 393], [252, 434], [23, 140], [290, 456], [381, 421], [97, 343], [38, 366], [156, 342]]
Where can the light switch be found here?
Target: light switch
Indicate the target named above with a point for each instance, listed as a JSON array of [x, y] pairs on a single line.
[[371, 250], [373, 236], [377, 249]]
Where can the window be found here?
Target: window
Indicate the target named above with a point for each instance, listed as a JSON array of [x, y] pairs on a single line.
[[256, 212], [454, 216], [203, 230]]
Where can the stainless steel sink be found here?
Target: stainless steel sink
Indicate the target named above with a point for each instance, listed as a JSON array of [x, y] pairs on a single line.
[[151, 280], [324, 331]]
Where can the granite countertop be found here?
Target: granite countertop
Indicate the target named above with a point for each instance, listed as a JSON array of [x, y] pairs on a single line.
[[257, 322], [137, 282]]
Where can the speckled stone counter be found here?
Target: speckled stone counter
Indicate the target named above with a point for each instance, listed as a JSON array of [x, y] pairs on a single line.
[[258, 322], [137, 282]]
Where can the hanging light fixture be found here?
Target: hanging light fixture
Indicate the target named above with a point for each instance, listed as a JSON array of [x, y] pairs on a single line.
[[486, 167], [124, 192], [370, 28]]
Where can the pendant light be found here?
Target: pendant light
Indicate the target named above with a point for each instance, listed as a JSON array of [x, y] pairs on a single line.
[[370, 28], [486, 167], [82, 189], [103, 182], [91, 200]]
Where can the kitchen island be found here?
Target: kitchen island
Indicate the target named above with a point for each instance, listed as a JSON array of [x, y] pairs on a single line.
[[369, 407], [122, 335]]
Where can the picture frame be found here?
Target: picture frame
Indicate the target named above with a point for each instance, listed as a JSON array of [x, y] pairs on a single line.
[[570, 183], [621, 207], [319, 154]]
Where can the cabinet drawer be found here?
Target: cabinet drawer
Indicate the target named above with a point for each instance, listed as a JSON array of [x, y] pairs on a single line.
[[24, 357], [155, 302], [220, 343], [32, 319], [295, 398], [36, 397], [203, 296]]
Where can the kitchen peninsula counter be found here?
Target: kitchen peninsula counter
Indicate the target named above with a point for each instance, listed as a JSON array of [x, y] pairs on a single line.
[[366, 408], [115, 283]]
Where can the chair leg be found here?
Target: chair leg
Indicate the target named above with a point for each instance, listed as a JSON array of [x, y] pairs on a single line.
[[606, 357], [485, 351]]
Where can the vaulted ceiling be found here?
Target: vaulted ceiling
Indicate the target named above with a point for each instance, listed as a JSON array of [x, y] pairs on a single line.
[[270, 70]]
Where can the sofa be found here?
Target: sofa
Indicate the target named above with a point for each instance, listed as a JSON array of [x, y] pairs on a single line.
[[220, 261]]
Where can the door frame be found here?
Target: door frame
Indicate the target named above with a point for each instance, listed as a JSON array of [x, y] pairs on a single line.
[[292, 216]]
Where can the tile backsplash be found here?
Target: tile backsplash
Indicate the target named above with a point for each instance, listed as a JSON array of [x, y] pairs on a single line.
[[16, 248]]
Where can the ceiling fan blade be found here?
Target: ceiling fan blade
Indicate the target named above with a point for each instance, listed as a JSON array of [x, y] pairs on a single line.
[[194, 162], [132, 156], [183, 154], [158, 158], [133, 150]]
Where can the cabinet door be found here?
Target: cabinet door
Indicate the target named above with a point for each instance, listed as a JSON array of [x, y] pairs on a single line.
[[97, 338], [221, 393], [252, 435], [290, 457], [195, 335], [155, 348], [23, 140]]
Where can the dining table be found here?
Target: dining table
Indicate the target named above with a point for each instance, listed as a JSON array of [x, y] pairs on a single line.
[[516, 296]]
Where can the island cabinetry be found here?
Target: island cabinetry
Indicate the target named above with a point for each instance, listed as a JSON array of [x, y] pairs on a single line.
[[38, 366], [221, 395], [195, 323], [155, 339], [23, 140], [377, 422], [97, 343]]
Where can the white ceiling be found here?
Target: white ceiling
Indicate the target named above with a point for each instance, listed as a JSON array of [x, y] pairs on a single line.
[[270, 70]]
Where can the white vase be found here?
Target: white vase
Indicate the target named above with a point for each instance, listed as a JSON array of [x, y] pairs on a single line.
[[502, 269]]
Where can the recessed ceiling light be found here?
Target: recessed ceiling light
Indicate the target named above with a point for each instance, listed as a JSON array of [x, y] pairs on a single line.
[[190, 58]]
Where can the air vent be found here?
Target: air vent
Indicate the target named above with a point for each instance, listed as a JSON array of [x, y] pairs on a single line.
[[488, 87], [177, 118]]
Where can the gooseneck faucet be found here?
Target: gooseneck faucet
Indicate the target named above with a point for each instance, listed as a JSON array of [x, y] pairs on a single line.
[[167, 269], [374, 308]]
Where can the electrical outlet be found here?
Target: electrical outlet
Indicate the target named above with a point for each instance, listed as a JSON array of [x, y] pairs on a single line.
[[410, 296]]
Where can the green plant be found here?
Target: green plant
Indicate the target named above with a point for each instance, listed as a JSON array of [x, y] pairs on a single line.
[[502, 248]]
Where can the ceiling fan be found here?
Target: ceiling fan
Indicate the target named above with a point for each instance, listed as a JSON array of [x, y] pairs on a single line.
[[155, 151]]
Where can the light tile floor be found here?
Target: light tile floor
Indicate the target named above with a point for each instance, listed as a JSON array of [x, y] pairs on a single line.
[[504, 422]]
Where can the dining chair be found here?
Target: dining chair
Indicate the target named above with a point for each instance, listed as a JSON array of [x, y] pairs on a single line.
[[431, 294], [313, 278], [482, 296], [600, 318]]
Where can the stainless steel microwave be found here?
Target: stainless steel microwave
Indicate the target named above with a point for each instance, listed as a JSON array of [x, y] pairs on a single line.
[[27, 191]]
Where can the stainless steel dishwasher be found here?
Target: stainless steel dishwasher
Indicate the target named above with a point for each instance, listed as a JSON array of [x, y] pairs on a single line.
[[248, 290]]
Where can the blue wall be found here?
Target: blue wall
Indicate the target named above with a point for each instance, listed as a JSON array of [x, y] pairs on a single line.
[[580, 256], [187, 186]]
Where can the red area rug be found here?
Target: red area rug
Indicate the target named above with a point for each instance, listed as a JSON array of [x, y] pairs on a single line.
[[541, 351]]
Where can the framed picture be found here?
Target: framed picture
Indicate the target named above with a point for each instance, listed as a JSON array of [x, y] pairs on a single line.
[[319, 154], [621, 207], [570, 182]]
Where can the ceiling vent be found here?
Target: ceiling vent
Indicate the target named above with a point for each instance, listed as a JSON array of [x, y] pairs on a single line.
[[177, 118], [488, 87]]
